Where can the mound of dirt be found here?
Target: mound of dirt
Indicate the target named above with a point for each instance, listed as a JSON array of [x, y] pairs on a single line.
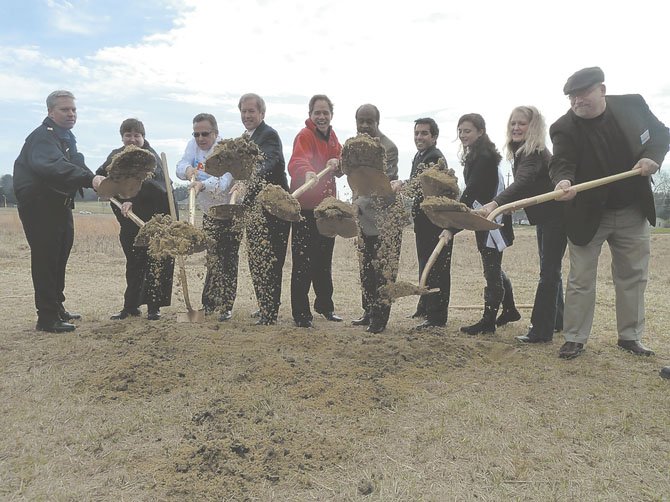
[[434, 204], [167, 238], [238, 156], [132, 162], [363, 151], [439, 182], [278, 202], [335, 217]]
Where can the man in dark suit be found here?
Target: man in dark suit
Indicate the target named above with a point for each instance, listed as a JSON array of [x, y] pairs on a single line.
[[267, 235], [433, 307], [47, 174], [599, 136]]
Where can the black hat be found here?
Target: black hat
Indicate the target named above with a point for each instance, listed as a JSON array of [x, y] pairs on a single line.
[[583, 79]]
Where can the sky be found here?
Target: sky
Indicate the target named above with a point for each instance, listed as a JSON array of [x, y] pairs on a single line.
[[165, 61]]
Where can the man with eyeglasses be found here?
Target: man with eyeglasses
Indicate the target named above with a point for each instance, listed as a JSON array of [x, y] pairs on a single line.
[[220, 289], [599, 136]]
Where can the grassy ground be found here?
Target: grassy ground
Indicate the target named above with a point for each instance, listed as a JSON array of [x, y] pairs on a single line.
[[176, 411]]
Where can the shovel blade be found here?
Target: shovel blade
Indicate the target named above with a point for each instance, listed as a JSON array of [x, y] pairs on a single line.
[[191, 316]]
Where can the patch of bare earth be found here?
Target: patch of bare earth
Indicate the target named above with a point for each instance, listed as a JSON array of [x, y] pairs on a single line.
[[139, 410]]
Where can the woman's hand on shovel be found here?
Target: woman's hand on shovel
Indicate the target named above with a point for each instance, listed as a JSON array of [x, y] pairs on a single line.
[[486, 209]]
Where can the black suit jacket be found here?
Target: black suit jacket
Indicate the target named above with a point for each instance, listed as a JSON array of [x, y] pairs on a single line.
[[430, 156], [273, 169], [575, 160]]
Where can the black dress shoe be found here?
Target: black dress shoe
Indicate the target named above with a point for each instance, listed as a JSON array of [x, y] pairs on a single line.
[[419, 314], [570, 350], [124, 313], [363, 321], [304, 323], [226, 316], [665, 372], [256, 314], [635, 347], [56, 326], [331, 316], [154, 315], [427, 324], [66, 316], [533, 338]]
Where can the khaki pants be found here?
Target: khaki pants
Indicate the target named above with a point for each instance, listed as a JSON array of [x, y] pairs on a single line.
[[627, 234]]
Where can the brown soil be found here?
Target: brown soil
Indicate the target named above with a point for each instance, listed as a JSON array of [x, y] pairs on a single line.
[[363, 151], [166, 411], [167, 238], [395, 290], [131, 162], [279, 203], [439, 182], [239, 157], [335, 217]]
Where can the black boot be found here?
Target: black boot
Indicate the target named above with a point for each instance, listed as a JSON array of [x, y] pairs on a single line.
[[509, 311], [487, 324]]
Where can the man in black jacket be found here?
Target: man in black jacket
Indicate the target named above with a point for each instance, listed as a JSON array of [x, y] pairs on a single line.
[[47, 174], [600, 136], [267, 235], [148, 281], [433, 307]]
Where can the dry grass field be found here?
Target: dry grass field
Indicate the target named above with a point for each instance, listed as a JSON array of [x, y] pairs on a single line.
[[145, 411]]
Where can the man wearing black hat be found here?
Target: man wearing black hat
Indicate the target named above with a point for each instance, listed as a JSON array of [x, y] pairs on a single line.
[[600, 136]]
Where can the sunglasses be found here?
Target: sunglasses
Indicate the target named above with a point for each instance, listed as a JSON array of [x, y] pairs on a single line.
[[203, 134]]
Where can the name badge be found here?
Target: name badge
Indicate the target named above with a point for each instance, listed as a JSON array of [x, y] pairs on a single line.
[[644, 137]]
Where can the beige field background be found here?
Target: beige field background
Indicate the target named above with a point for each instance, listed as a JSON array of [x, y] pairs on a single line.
[[138, 410]]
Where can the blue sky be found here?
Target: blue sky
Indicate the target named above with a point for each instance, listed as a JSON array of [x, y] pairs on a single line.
[[165, 61]]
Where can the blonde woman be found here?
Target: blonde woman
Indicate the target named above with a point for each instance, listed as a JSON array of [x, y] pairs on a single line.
[[525, 148]]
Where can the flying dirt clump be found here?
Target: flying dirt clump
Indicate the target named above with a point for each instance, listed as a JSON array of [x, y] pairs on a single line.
[[167, 238], [238, 156], [363, 151], [278, 202], [131, 162], [437, 180], [336, 217]]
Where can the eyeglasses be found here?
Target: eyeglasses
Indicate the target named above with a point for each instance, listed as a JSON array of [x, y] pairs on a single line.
[[203, 134]]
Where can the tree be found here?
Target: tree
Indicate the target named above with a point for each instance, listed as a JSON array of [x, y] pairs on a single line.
[[7, 190], [662, 194]]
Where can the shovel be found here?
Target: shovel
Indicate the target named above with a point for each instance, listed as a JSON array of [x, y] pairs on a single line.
[[191, 315], [284, 205], [227, 211], [472, 221]]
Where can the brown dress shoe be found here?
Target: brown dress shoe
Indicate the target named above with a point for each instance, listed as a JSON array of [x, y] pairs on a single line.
[[570, 350], [635, 347]]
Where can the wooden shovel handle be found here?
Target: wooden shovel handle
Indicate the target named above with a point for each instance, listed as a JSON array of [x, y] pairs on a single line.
[[191, 203], [546, 197], [299, 191], [431, 260], [136, 219], [173, 213]]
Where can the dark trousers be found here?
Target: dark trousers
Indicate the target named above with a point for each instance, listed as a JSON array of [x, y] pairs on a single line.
[[379, 265], [148, 281], [220, 287], [267, 239], [312, 256], [435, 305], [49, 230], [498, 287], [548, 307]]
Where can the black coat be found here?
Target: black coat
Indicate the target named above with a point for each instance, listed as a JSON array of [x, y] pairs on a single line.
[[273, 168], [481, 185], [429, 156], [49, 167], [531, 178], [574, 160]]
